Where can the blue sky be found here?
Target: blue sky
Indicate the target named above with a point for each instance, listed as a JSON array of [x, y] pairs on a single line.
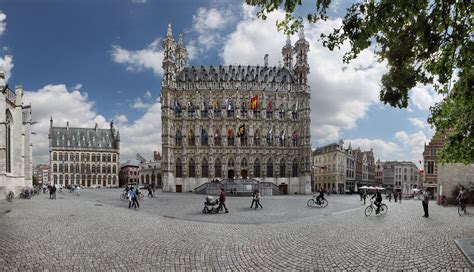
[[91, 61]]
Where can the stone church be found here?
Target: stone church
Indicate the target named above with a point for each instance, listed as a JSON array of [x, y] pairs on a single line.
[[236, 121], [15, 149]]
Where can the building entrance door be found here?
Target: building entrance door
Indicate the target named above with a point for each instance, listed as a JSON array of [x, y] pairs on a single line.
[[244, 174], [230, 174], [283, 189], [179, 188]]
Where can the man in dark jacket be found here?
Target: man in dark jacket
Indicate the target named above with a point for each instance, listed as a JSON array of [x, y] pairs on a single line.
[[378, 200], [222, 201]]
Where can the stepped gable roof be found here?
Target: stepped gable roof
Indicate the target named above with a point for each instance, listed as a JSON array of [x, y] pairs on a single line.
[[266, 74], [69, 137]]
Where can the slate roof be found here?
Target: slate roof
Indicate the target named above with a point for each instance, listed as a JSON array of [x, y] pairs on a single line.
[[268, 74], [83, 138], [135, 163]]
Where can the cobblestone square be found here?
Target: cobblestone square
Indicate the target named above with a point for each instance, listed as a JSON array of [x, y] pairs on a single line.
[[97, 231]]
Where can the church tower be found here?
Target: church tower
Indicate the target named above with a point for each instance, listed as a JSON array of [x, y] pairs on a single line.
[[169, 58], [287, 53], [302, 66], [181, 55]]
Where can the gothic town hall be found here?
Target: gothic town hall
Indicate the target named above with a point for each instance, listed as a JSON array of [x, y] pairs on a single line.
[[236, 121]]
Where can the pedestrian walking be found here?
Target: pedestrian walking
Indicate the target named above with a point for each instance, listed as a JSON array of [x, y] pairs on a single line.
[[78, 190], [150, 192], [54, 191], [424, 202], [389, 196], [222, 201], [50, 189], [137, 195], [131, 198], [361, 193], [400, 197], [395, 195], [254, 194], [258, 197], [364, 196]]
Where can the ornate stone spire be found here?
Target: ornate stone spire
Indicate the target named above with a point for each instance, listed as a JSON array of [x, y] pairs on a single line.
[[287, 53], [169, 33]]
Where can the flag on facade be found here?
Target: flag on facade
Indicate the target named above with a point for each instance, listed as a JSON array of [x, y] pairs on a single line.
[[228, 103], [190, 133], [270, 106], [254, 103], [230, 132], [215, 104], [241, 131], [295, 135], [216, 133]]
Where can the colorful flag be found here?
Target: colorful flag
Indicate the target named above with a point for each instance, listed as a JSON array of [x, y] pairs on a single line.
[[254, 103], [230, 132], [216, 133], [270, 106], [295, 135], [215, 104], [241, 131]]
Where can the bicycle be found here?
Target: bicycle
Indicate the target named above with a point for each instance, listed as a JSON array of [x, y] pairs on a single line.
[[383, 209], [321, 203], [461, 207], [25, 193], [123, 196], [10, 196]]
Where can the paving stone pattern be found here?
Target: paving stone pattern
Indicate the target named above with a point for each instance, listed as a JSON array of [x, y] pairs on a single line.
[[169, 233]]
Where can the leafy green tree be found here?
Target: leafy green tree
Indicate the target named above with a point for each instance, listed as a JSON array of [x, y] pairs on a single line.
[[423, 42]]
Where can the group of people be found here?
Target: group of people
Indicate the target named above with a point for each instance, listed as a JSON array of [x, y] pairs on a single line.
[[132, 194]]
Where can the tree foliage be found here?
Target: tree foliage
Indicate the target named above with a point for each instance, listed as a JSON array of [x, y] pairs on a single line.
[[423, 42]]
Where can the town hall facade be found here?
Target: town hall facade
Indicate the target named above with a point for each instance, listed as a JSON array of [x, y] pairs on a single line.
[[236, 121]]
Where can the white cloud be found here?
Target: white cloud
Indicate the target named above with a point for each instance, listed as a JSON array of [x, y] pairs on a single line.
[[419, 123], [138, 104], [147, 94], [3, 23], [340, 93], [423, 97], [6, 66], [148, 58], [402, 136], [382, 150], [208, 25], [412, 145], [139, 1], [120, 119]]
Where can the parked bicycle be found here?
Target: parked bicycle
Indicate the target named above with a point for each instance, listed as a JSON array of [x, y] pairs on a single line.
[[10, 196], [383, 209], [319, 202], [25, 193], [461, 207], [123, 196]]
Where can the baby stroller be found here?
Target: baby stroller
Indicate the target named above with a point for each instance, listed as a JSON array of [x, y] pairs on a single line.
[[210, 205]]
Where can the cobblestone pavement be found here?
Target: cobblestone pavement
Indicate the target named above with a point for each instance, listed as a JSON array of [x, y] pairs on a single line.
[[97, 231]]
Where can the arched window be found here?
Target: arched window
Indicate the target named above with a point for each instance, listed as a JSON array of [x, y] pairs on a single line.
[[115, 158], [256, 168], [61, 168], [55, 178], [66, 180], [294, 168], [61, 179], [93, 157], [55, 156], [114, 180], [179, 138], [114, 169], [147, 179], [192, 169], [179, 169], [256, 138], [269, 168], [282, 168], [217, 138], [109, 157], [66, 156], [191, 138], [108, 169], [109, 180], [77, 168], [55, 168], [60, 156], [204, 168], [66, 168], [94, 180], [104, 170], [93, 168], [203, 137], [83, 157], [77, 156], [99, 180], [88, 157], [243, 163], [217, 168]]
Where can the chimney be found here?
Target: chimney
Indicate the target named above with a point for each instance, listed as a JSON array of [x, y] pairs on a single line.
[[67, 125], [95, 127], [51, 122], [265, 60], [112, 125]]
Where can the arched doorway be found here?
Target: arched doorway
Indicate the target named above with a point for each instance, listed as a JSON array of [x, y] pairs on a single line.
[[244, 174], [230, 174]]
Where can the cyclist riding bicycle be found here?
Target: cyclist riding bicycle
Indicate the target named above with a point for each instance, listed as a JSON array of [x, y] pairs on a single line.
[[462, 196], [378, 200], [320, 196]]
